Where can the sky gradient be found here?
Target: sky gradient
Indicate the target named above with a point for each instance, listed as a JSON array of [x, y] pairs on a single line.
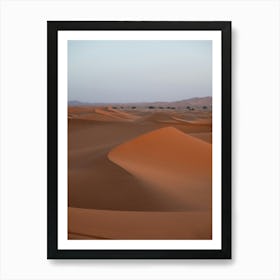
[[138, 71]]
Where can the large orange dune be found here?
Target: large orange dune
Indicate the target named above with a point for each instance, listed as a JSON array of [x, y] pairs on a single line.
[[171, 161]]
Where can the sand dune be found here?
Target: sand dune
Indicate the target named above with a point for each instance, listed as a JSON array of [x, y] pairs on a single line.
[[123, 115], [104, 114], [105, 224], [172, 162], [115, 114], [196, 121], [191, 124], [138, 174], [205, 136], [95, 182]]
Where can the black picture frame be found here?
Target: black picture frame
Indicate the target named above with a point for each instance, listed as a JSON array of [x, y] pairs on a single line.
[[52, 138]]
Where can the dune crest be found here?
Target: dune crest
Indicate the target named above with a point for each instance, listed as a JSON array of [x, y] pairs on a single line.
[[115, 114], [172, 162], [104, 114]]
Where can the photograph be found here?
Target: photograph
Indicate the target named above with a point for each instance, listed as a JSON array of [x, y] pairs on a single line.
[[139, 140]]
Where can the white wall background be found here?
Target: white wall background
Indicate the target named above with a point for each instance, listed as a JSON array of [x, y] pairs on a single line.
[[255, 150]]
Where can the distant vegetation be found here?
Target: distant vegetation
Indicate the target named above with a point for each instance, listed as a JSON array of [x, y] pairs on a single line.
[[151, 107], [190, 108], [133, 107]]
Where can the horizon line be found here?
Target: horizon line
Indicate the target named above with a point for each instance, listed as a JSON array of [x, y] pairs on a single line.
[[133, 102]]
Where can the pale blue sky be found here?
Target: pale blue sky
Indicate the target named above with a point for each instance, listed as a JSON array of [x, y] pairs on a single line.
[[139, 71]]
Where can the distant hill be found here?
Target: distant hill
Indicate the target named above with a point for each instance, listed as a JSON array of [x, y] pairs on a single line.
[[204, 101], [77, 103], [192, 102]]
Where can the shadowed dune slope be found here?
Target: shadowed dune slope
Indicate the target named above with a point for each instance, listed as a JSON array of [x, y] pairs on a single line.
[[96, 182], [172, 162]]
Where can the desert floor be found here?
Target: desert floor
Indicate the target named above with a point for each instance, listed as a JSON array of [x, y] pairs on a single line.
[[139, 173]]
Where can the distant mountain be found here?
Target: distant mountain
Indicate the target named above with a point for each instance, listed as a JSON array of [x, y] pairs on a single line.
[[77, 103], [192, 102], [202, 101]]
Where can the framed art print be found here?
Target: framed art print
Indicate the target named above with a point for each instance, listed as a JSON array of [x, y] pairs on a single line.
[[139, 140]]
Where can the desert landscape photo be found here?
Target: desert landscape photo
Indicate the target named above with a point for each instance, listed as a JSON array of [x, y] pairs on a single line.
[[140, 140]]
